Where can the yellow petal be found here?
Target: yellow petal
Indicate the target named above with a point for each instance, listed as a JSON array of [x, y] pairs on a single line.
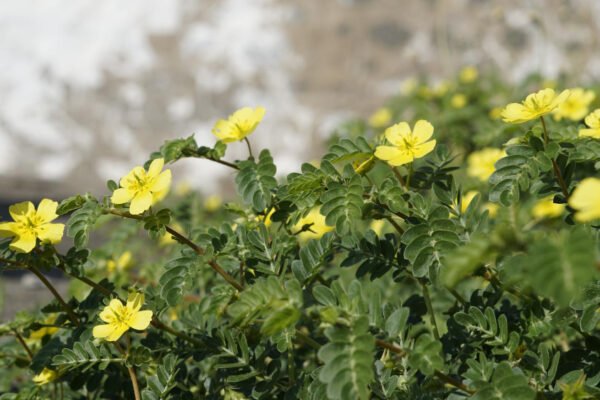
[[21, 211], [225, 131], [515, 113], [103, 331], [114, 308], [141, 320], [47, 210], [135, 300], [560, 98], [155, 167], [132, 176], [162, 182], [50, 233], [422, 131], [593, 133], [7, 229], [396, 133], [423, 149], [23, 243], [121, 196], [140, 203]]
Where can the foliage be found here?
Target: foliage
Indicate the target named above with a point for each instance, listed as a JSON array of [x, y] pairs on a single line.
[[430, 284]]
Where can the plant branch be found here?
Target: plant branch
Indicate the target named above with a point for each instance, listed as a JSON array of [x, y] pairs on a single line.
[[185, 240], [160, 325], [559, 178], [57, 295], [249, 147], [223, 162], [454, 382], [24, 344], [427, 297]]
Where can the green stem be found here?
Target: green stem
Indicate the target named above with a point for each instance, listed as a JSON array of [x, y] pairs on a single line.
[[454, 382], [436, 332], [57, 295], [559, 178], [160, 325], [399, 176], [410, 172], [249, 147], [395, 224]]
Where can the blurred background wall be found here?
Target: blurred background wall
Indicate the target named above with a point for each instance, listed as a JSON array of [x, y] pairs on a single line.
[[89, 88]]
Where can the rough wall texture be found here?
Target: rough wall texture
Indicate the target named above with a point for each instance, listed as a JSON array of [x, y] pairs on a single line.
[[90, 88]]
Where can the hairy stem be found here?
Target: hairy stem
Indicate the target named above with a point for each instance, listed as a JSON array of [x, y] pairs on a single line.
[[249, 147], [454, 382], [24, 344], [57, 295], [223, 162], [436, 332], [557, 173]]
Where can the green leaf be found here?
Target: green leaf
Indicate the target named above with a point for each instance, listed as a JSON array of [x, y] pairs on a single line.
[[160, 384], [256, 180], [427, 355], [85, 355], [177, 275], [71, 204], [173, 150], [348, 359], [560, 266], [513, 174], [427, 243], [506, 384], [342, 204], [82, 221]]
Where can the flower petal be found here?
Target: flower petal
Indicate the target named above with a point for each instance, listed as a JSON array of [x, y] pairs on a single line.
[[24, 242], [103, 331], [421, 150], [20, 211], [140, 203], [7, 229], [593, 133], [422, 131], [121, 196], [135, 301], [132, 176], [515, 113], [141, 320], [162, 182], [395, 134], [560, 98], [50, 233], [46, 210], [155, 167], [225, 131], [114, 308], [393, 155]]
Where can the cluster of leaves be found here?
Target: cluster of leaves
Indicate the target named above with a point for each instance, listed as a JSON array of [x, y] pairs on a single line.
[[409, 295]]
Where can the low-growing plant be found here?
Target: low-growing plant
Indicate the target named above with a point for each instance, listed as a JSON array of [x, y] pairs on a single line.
[[444, 249]]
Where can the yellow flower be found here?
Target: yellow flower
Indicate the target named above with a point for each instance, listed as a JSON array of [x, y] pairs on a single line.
[[481, 164], [576, 106], [546, 208], [45, 330], [31, 224], [549, 84], [468, 74], [143, 188], [495, 113], [120, 318], [380, 118], [317, 228], [46, 376], [377, 226], [492, 209], [121, 264], [407, 145], [213, 203], [593, 122], [239, 124], [467, 199], [459, 100], [267, 218], [586, 200], [534, 106]]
